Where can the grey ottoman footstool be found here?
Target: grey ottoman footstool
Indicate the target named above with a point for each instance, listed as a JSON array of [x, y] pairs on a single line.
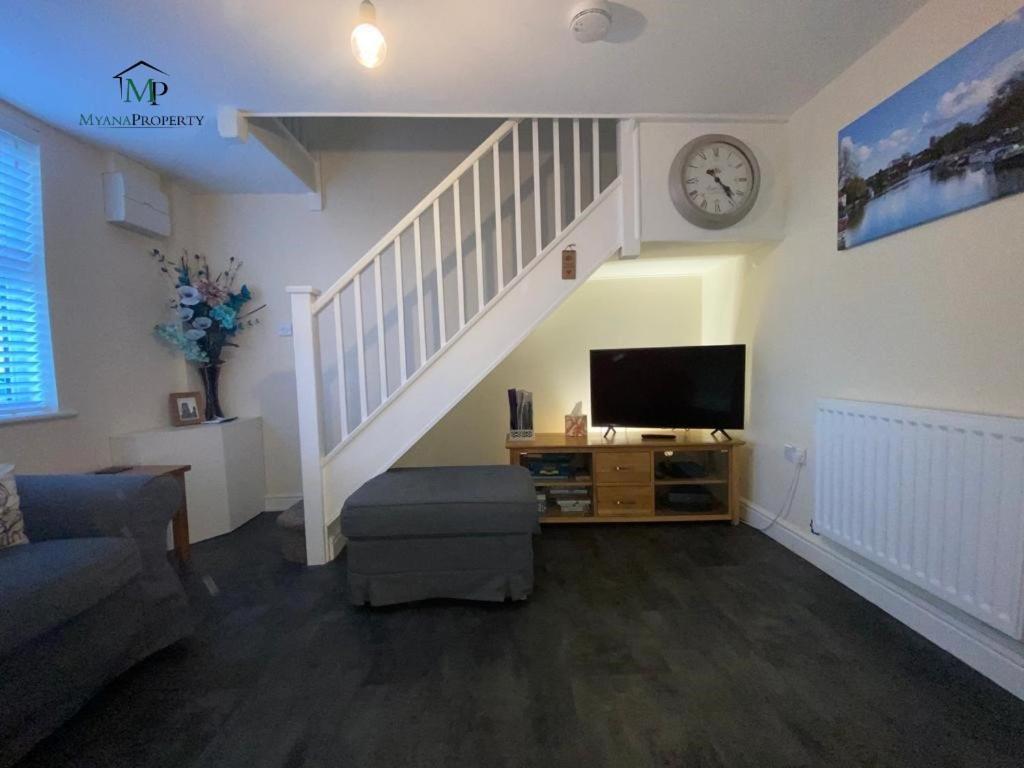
[[458, 532]]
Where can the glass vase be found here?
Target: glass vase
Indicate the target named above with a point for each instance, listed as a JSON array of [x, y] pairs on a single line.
[[210, 375]]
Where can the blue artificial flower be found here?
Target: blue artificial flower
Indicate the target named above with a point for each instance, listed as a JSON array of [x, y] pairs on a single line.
[[236, 300], [188, 296], [194, 334], [172, 334], [224, 315], [202, 323], [185, 313]]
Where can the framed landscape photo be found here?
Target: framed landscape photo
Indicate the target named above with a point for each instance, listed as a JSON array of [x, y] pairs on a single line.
[[186, 409], [951, 140]]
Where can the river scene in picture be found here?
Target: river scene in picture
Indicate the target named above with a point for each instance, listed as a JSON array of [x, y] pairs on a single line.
[[951, 140]]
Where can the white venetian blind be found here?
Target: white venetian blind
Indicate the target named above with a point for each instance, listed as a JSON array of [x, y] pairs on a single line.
[[26, 362]]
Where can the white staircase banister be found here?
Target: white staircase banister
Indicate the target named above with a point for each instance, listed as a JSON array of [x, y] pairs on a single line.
[[325, 299], [372, 399]]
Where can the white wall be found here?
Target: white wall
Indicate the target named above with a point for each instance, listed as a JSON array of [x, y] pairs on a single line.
[[554, 363], [105, 295], [659, 219], [929, 317], [721, 300]]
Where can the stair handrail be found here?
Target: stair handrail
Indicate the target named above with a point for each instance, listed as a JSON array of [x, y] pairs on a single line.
[[417, 210]]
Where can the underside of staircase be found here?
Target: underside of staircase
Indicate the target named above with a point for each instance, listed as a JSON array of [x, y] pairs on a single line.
[[383, 354]]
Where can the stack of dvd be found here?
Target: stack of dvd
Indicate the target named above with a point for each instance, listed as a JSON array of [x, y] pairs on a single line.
[[571, 501]]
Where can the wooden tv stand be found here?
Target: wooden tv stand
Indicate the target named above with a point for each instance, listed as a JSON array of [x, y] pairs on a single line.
[[630, 480]]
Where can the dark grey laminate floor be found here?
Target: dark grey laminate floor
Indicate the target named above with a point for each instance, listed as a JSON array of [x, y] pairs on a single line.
[[642, 646]]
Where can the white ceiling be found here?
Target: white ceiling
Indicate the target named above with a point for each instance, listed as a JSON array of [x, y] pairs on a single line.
[[446, 57]]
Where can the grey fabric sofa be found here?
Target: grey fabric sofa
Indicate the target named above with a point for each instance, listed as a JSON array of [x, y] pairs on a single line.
[[455, 532], [91, 595]]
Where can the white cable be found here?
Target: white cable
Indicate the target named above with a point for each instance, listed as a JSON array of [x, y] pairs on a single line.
[[787, 504]]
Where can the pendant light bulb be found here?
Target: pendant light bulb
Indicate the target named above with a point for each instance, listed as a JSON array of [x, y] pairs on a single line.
[[368, 44]]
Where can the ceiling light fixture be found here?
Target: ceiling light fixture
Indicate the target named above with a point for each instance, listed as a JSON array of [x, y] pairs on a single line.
[[368, 44]]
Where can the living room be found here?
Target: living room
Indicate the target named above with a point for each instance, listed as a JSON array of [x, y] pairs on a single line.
[[282, 313]]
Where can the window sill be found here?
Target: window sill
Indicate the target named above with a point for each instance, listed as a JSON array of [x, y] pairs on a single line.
[[44, 416]]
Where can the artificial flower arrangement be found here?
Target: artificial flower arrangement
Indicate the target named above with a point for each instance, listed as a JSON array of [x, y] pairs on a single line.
[[208, 314]]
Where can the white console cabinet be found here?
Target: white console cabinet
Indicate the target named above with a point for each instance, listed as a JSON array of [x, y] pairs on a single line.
[[226, 485]]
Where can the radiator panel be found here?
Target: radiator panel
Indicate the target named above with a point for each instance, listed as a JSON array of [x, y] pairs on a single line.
[[936, 497]]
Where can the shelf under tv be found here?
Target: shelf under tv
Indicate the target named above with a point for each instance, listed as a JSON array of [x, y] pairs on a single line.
[[624, 483]]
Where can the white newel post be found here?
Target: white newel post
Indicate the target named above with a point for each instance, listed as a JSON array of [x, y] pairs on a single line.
[[306, 343]]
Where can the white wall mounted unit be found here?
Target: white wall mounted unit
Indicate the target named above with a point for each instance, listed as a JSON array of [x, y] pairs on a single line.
[[133, 198], [936, 497]]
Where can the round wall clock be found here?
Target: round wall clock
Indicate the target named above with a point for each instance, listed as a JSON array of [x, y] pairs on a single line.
[[714, 181]]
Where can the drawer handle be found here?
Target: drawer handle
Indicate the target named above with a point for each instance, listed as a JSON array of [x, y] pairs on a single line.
[[618, 468]]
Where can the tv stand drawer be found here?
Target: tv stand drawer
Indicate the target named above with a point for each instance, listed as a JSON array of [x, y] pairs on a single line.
[[624, 500], [622, 467]]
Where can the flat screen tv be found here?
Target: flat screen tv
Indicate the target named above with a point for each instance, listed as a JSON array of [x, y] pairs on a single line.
[[668, 387]]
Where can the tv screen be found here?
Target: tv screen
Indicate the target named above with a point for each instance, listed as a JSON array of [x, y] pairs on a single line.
[[668, 387]]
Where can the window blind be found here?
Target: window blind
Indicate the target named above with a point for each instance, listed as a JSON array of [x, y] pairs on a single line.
[[27, 384]]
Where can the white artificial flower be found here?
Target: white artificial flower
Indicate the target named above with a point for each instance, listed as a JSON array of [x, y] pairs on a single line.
[[188, 295], [202, 323], [194, 334], [185, 313]]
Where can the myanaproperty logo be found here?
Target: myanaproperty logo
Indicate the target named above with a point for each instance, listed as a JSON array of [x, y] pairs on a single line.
[[132, 87], [140, 84]]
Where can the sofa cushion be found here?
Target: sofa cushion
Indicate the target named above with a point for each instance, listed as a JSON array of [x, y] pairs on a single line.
[[442, 501], [48, 583], [12, 526]]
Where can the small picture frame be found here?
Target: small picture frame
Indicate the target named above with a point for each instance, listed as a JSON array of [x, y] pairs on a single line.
[[186, 408]]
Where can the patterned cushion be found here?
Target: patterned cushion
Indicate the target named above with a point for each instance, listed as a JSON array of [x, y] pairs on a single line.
[[12, 527]]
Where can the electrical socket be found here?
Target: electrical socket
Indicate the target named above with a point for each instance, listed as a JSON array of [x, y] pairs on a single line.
[[795, 454]]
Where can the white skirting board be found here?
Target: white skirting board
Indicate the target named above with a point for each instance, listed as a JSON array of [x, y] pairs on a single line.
[[1001, 664]]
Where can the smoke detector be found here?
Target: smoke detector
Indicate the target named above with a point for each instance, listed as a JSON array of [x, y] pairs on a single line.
[[590, 21]]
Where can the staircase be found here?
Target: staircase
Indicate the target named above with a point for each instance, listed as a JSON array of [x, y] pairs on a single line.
[[384, 353]]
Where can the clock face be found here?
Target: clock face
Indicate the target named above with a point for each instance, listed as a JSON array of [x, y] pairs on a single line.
[[717, 178], [714, 181]]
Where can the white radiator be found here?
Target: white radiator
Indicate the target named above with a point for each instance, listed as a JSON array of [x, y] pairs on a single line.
[[936, 497]]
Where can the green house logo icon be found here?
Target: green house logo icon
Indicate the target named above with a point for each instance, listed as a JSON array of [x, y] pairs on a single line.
[[138, 83]]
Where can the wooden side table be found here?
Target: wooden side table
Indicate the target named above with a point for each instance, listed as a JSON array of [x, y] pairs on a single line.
[[179, 523]]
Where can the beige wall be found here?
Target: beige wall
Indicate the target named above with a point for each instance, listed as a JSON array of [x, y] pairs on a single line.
[[929, 317], [721, 300], [105, 296], [553, 362]]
